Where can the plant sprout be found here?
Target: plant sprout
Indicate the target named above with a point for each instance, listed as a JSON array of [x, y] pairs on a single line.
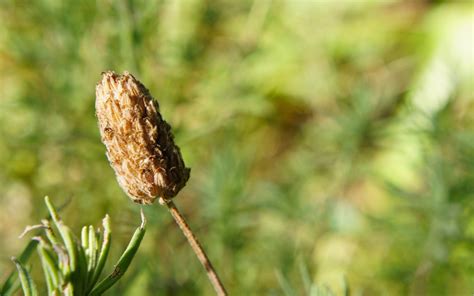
[[72, 266]]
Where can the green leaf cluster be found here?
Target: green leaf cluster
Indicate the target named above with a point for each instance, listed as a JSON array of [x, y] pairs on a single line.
[[71, 266]]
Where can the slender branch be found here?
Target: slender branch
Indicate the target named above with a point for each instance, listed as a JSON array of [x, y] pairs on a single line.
[[196, 246]]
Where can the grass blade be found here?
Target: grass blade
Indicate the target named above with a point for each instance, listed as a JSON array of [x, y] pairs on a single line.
[[11, 284], [285, 284], [124, 261], [47, 275], [29, 287], [92, 252], [65, 233], [104, 251], [48, 262], [80, 275], [85, 237]]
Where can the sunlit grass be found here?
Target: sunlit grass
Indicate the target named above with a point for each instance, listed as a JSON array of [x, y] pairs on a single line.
[[335, 134]]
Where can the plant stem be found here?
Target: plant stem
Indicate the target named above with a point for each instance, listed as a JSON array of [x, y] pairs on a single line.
[[196, 246]]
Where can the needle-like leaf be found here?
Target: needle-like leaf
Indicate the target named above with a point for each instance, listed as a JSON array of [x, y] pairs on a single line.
[[11, 284], [27, 284], [123, 262], [104, 251]]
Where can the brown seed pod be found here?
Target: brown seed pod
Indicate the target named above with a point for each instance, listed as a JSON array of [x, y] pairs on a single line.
[[140, 145]]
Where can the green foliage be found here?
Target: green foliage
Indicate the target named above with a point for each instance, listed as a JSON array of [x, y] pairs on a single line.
[[71, 267], [336, 133], [11, 284], [27, 284]]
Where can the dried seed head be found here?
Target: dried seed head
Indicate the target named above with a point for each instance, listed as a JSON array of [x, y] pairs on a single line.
[[139, 142]]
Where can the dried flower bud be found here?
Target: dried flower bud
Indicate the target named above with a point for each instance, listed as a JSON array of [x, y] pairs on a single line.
[[139, 142]]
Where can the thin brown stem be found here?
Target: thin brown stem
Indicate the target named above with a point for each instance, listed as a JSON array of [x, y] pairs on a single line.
[[196, 246]]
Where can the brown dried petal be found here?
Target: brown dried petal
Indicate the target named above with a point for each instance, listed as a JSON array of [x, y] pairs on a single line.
[[140, 145]]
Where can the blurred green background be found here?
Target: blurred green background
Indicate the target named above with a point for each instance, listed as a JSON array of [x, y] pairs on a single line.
[[331, 142]]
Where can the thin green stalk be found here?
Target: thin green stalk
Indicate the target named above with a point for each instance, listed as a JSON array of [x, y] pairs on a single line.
[[123, 262], [47, 275], [104, 250], [11, 284], [92, 253], [50, 265], [29, 287], [65, 233]]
